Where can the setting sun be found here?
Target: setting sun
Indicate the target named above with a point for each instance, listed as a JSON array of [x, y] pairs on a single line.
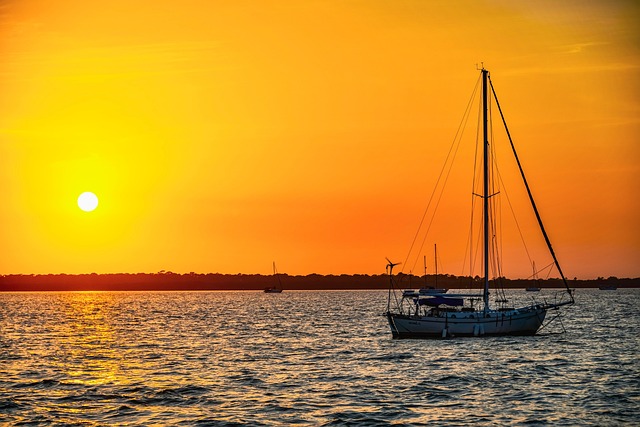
[[87, 201]]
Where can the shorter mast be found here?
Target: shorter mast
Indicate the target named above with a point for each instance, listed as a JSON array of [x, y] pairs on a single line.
[[425, 271], [275, 273], [435, 257]]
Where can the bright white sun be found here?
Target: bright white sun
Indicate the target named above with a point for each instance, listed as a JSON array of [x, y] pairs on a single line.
[[87, 201]]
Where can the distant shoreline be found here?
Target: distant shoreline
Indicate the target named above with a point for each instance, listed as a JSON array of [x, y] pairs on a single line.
[[168, 281]]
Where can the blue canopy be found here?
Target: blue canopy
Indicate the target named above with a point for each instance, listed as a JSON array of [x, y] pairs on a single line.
[[436, 301]]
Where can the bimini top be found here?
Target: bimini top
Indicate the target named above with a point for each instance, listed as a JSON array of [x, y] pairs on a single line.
[[438, 300]]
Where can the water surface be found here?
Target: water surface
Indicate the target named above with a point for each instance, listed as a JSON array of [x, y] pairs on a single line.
[[304, 358]]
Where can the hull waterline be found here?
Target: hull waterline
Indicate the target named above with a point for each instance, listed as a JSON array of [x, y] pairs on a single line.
[[523, 321]]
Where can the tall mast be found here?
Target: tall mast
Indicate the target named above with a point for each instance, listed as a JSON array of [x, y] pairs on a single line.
[[485, 210]]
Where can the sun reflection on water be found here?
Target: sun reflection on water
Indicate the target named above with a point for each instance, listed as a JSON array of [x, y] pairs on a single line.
[[86, 340]]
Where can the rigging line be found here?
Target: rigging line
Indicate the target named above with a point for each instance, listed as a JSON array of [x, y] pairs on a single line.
[[548, 273], [478, 247], [496, 240], [458, 136], [469, 244], [536, 272], [458, 132], [493, 258], [433, 217], [497, 264], [515, 219], [533, 204], [476, 182]]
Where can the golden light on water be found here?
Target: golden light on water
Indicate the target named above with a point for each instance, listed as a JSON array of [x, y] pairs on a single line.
[[86, 339], [304, 358]]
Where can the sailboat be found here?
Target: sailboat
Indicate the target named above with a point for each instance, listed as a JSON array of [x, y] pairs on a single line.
[[470, 314], [432, 289], [278, 287], [427, 290], [535, 277]]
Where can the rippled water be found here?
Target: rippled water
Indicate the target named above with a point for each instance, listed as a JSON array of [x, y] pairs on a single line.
[[304, 358]]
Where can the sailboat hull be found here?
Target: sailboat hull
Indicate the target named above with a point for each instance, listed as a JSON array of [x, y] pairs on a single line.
[[521, 321]]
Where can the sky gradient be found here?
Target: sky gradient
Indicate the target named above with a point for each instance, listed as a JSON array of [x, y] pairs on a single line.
[[220, 136]]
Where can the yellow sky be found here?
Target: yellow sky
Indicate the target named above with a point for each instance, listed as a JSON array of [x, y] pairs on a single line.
[[223, 135]]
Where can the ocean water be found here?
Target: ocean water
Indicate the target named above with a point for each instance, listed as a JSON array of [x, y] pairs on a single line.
[[304, 358]]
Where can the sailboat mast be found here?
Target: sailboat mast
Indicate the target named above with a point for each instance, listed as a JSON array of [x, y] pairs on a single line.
[[485, 210], [275, 273], [435, 257], [425, 271]]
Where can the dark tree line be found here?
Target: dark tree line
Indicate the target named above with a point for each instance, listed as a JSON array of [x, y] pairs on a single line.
[[166, 280]]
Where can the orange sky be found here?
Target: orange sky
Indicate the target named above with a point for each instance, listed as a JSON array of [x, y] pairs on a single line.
[[223, 135]]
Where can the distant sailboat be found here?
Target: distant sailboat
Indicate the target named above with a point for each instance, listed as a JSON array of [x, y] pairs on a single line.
[[447, 315], [432, 289], [535, 277], [278, 287], [427, 290]]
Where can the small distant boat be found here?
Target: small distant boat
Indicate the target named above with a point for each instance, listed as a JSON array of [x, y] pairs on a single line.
[[608, 287], [277, 289], [535, 277], [427, 290]]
